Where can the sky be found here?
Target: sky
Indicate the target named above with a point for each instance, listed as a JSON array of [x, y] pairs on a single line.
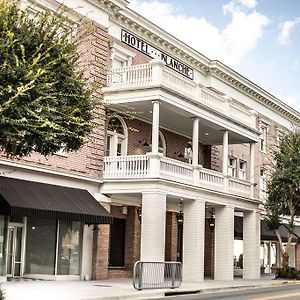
[[260, 39]]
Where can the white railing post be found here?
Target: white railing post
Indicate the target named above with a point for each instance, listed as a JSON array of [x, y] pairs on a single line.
[[157, 70], [254, 115], [196, 174], [227, 104], [154, 164]]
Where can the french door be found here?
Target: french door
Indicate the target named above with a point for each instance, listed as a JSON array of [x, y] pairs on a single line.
[[14, 250]]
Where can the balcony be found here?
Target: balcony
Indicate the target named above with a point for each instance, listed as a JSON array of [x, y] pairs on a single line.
[[156, 75], [156, 166]]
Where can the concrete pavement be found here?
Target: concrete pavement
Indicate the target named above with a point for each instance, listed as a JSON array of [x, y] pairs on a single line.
[[113, 289]]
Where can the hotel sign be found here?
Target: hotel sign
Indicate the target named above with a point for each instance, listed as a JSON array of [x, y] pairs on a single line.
[[144, 47]]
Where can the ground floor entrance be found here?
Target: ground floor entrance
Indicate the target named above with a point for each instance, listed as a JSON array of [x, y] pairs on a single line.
[[46, 230], [14, 250]]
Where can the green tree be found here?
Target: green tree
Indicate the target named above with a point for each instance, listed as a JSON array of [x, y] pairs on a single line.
[[45, 104], [284, 190]]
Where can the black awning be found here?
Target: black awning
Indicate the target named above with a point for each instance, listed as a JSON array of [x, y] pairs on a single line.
[[34, 199], [265, 233]]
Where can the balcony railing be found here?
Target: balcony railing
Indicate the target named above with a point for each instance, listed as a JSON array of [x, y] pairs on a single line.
[[157, 166], [156, 74]]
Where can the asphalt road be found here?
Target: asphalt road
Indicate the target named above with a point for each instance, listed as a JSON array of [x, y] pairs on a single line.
[[291, 292]]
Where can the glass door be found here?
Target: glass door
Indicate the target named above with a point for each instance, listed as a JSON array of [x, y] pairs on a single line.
[[14, 253]]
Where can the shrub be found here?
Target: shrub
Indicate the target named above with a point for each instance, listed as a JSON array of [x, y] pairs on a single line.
[[2, 294], [287, 273]]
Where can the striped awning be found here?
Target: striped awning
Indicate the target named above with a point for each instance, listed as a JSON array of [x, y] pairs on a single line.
[[33, 199]]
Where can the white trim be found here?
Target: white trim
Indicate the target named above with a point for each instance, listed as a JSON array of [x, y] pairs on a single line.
[[14, 164], [119, 52]]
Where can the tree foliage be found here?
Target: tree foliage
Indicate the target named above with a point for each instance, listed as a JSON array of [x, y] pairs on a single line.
[[284, 189], [44, 102]]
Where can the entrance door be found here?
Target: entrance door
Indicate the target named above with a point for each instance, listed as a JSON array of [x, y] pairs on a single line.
[[14, 247]]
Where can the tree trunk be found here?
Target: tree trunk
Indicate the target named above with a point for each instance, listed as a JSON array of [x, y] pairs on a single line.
[[285, 259]]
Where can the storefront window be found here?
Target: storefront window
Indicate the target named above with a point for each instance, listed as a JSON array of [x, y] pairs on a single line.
[[238, 254], [68, 248], [3, 238], [40, 246]]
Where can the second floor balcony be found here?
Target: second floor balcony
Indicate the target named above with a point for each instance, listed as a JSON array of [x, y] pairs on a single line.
[[142, 81], [156, 166]]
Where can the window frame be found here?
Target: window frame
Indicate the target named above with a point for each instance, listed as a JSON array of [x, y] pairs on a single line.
[[243, 170], [232, 169], [114, 139], [263, 140], [262, 185]]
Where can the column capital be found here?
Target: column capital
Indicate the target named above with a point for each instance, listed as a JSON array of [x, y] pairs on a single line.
[[156, 101]]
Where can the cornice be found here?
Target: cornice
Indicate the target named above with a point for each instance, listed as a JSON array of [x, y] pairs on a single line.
[[132, 21]]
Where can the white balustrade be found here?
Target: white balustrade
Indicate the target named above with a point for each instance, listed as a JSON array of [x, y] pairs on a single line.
[[154, 73], [212, 99], [139, 166], [175, 169], [242, 114], [239, 186], [211, 178], [133, 166], [179, 83], [132, 76]]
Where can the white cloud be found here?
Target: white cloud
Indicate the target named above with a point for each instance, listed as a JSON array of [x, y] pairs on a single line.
[[285, 30], [292, 100], [229, 45]]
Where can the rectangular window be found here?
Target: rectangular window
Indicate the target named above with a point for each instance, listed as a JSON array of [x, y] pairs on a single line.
[[40, 246], [69, 248], [232, 166], [242, 169], [117, 243], [263, 137], [262, 185]]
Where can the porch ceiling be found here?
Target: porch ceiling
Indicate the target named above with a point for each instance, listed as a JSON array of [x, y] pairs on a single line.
[[181, 122]]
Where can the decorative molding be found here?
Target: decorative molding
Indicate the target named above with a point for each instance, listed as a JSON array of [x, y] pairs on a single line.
[[132, 21]]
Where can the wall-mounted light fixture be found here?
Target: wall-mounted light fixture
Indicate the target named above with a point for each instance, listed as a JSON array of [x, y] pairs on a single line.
[[144, 143], [179, 215], [211, 220], [139, 212]]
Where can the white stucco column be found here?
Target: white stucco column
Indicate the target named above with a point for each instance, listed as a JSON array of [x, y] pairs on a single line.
[[251, 245], [193, 241], [153, 226], [225, 152], [195, 141], [155, 127], [252, 169], [224, 238]]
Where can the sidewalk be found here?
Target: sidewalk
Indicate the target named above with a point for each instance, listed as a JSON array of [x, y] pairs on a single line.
[[113, 289]]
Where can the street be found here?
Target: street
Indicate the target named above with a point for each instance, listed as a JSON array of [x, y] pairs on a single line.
[[276, 292]]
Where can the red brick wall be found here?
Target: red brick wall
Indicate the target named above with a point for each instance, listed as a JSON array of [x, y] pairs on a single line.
[[297, 257], [171, 237], [100, 250], [175, 143]]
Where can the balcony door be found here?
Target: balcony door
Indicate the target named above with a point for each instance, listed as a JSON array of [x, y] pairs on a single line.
[[14, 250]]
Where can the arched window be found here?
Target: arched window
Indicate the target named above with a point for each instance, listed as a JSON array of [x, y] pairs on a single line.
[[162, 145], [116, 137]]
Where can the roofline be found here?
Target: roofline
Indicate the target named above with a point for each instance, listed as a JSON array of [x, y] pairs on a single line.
[[121, 13]]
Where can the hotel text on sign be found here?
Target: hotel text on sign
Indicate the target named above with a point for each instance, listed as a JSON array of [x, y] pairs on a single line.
[[153, 52]]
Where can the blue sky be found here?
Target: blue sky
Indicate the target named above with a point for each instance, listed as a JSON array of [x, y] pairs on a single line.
[[258, 38]]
